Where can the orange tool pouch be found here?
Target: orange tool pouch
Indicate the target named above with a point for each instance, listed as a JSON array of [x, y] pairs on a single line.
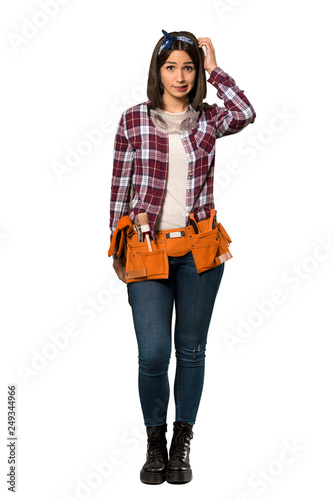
[[118, 237], [210, 246], [207, 240]]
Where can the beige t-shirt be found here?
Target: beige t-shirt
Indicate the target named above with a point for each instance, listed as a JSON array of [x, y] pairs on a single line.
[[173, 212]]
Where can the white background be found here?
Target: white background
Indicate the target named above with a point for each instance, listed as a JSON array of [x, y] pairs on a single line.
[[268, 384]]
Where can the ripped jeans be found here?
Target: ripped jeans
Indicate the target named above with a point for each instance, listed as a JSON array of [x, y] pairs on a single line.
[[152, 306]]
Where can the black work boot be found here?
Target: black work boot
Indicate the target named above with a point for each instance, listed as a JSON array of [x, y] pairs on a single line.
[[179, 469], [154, 470]]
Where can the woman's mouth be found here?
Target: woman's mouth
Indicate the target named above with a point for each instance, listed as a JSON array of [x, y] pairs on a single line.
[[181, 88]]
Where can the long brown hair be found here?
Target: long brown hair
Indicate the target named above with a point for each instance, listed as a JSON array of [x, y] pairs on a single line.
[[155, 88]]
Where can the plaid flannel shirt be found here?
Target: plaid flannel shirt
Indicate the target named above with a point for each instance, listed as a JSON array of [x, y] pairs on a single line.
[[141, 154]]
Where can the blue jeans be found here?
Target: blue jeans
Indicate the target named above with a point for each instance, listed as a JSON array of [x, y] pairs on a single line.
[[152, 306]]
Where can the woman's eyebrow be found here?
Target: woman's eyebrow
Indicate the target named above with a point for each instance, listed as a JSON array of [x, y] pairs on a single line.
[[172, 62]]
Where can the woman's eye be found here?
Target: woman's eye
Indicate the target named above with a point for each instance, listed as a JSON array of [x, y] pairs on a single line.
[[188, 68]]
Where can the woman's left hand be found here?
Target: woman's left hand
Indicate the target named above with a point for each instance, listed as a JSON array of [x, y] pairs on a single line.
[[210, 60]]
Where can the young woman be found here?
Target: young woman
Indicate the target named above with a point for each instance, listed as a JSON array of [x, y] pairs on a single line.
[[163, 171]]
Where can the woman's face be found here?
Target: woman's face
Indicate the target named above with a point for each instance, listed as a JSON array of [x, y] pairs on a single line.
[[178, 74]]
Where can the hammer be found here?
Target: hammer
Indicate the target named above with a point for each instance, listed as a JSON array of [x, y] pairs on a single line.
[[143, 220]]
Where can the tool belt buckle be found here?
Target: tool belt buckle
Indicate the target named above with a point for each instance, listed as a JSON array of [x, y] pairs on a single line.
[[175, 234]]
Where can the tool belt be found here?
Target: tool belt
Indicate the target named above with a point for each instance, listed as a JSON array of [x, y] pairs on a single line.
[[207, 240]]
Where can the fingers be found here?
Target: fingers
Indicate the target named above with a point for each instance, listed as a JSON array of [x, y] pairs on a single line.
[[210, 59], [121, 276], [205, 41], [119, 267]]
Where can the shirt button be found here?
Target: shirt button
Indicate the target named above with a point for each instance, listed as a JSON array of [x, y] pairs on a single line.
[[189, 191], [190, 174]]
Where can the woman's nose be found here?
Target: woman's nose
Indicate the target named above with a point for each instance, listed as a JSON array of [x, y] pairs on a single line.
[[180, 77]]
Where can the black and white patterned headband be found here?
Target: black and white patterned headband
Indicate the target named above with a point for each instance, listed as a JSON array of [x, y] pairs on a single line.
[[169, 39]]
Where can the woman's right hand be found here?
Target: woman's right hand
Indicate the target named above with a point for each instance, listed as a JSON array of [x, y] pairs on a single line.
[[119, 267]]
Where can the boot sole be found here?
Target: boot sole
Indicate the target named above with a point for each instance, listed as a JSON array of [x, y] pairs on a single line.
[[152, 477], [179, 477]]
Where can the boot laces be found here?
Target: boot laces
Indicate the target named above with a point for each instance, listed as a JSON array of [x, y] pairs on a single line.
[[156, 451], [182, 438], [156, 444]]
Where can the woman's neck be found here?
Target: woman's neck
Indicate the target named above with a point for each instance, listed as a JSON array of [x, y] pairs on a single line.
[[175, 105]]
